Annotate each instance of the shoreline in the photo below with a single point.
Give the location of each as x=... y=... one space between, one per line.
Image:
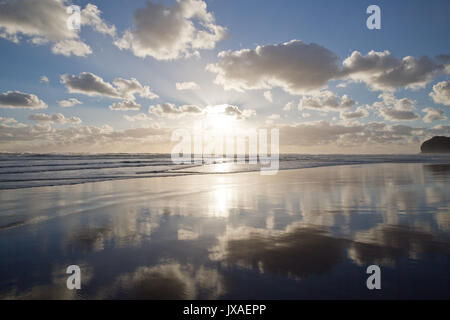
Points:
x=183 y=173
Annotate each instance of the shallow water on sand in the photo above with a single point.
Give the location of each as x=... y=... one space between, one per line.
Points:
x=308 y=233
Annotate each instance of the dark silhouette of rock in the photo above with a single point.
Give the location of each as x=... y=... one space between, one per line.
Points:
x=436 y=144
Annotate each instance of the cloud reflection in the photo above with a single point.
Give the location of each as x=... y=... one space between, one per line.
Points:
x=168 y=281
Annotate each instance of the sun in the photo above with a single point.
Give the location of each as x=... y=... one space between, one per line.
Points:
x=218 y=122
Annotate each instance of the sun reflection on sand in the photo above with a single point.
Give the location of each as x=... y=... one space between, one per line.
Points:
x=220 y=202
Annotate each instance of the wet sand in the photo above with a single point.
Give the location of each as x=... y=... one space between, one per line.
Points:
x=300 y=234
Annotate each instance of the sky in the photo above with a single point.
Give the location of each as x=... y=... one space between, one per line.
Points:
x=136 y=71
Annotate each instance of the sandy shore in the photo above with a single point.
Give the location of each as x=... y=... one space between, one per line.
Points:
x=307 y=233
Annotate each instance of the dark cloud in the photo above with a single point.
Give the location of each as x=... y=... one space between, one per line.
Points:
x=17 y=99
x=92 y=85
x=295 y=66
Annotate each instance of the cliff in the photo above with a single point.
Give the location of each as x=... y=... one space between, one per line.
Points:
x=436 y=145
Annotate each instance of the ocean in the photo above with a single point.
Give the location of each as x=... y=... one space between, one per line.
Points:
x=35 y=170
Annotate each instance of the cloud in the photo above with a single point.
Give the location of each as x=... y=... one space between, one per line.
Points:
x=288 y=106
x=382 y=71
x=233 y=111
x=69 y=102
x=125 y=105
x=56 y=117
x=325 y=101
x=92 y=85
x=17 y=99
x=321 y=132
x=439 y=130
x=45 y=21
x=298 y=68
x=295 y=66
x=441 y=93
x=69 y=47
x=433 y=115
x=6 y=121
x=360 y=112
x=398 y=115
x=268 y=96
x=272 y=118
x=90 y=16
x=170 y=110
x=89 y=84
x=187 y=86
x=393 y=109
x=44 y=79
x=373 y=137
x=167 y=33
x=305 y=115
x=137 y=117
x=43 y=138
x=128 y=88
x=312 y=137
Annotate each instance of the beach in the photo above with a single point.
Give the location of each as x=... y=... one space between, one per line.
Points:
x=299 y=234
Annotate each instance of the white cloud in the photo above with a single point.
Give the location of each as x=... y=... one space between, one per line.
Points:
x=90 y=16
x=92 y=85
x=268 y=96
x=441 y=93
x=288 y=106
x=310 y=137
x=298 y=68
x=345 y=137
x=295 y=66
x=325 y=101
x=17 y=99
x=44 y=79
x=305 y=115
x=69 y=102
x=137 y=117
x=433 y=115
x=45 y=21
x=272 y=118
x=383 y=71
x=7 y=120
x=127 y=89
x=167 y=33
x=360 y=112
x=393 y=109
x=71 y=47
x=125 y=105
x=56 y=117
x=187 y=86
x=398 y=115
x=43 y=138
x=170 y=110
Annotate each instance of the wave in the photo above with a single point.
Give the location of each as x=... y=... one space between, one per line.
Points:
x=35 y=170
